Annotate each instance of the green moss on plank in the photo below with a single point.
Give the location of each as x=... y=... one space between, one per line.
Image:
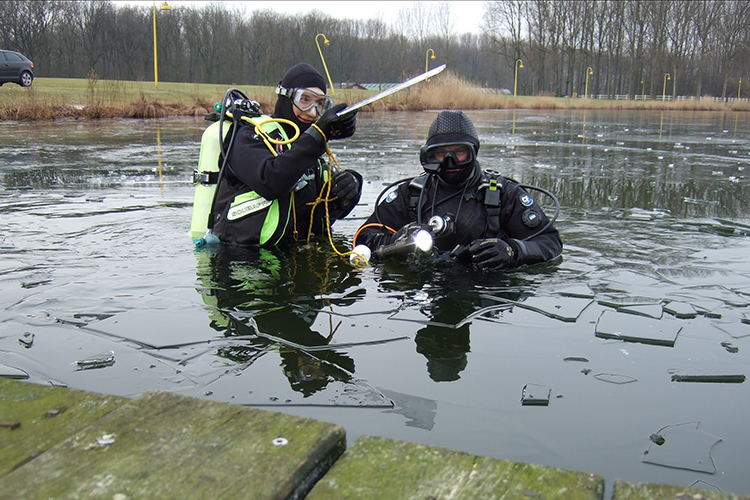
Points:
x=382 y=468
x=629 y=491
x=168 y=446
x=47 y=416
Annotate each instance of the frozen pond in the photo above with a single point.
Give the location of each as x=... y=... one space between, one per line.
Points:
x=627 y=358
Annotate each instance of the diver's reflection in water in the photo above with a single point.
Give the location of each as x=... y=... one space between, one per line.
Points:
x=272 y=298
x=444 y=347
x=454 y=293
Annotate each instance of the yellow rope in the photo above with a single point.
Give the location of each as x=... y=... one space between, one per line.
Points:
x=269 y=141
x=325 y=200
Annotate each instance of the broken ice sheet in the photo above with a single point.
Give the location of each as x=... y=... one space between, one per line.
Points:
x=736 y=330
x=535 y=395
x=420 y=412
x=581 y=291
x=681 y=310
x=684 y=446
x=12 y=372
x=655 y=311
x=614 y=378
x=99 y=361
x=632 y=328
x=561 y=308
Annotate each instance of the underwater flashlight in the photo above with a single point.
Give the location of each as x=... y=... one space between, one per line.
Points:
x=421 y=240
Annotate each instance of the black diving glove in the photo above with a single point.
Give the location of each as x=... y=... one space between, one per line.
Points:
x=492 y=253
x=345 y=188
x=337 y=127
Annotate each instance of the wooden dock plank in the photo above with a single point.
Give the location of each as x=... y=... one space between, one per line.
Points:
x=375 y=468
x=46 y=416
x=647 y=491
x=167 y=446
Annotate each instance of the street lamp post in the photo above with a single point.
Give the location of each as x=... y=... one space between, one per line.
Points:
x=515 y=84
x=589 y=71
x=165 y=6
x=427 y=60
x=664 y=90
x=643 y=88
x=325 y=42
x=738 y=89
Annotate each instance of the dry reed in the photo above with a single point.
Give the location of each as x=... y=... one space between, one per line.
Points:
x=110 y=99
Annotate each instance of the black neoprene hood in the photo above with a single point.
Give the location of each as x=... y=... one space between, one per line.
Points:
x=452 y=127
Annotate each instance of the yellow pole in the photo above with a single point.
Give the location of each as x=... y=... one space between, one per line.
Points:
x=156 y=70
x=427 y=60
x=738 y=89
x=325 y=42
x=664 y=90
x=156 y=66
x=515 y=84
x=589 y=71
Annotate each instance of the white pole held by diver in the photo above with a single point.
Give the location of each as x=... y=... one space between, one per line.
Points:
x=392 y=90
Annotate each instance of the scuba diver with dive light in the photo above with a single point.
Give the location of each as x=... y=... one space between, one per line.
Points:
x=270 y=184
x=457 y=210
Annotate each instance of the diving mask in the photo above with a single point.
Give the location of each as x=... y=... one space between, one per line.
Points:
x=306 y=99
x=431 y=157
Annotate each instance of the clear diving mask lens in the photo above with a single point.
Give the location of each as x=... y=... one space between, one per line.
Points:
x=431 y=157
x=306 y=99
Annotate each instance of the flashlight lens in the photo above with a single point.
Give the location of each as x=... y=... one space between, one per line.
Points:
x=423 y=240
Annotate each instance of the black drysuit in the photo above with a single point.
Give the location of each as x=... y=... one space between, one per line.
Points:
x=514 y=217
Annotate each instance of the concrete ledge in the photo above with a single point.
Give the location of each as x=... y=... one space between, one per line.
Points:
x=375 y=468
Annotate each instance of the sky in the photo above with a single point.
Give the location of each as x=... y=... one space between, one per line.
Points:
x=467 y=14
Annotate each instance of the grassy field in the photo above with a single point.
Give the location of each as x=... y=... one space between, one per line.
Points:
x=52 y=98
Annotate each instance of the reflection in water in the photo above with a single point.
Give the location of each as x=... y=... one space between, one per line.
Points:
x=96 y=259
x=279 y=297
x=584 y=138
x=450 y=296
x=271 y=299
x=158 y=157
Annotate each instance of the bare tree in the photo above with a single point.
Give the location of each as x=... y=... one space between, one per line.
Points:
x=732 y=37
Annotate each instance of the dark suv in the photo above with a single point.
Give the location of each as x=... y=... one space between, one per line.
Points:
x=15 y=68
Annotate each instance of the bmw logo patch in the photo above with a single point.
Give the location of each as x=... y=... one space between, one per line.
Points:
x=530 y=218
x=526 y=200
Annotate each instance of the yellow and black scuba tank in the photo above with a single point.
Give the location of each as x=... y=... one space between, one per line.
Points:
x=212 y=159
x=206 y=176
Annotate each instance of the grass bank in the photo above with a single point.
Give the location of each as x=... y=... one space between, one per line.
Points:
x=52 y=98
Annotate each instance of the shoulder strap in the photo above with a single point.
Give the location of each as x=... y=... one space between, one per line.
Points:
x=493 y=186
x=416 y=185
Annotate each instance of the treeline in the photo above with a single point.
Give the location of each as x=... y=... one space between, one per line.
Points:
x=693 y=47
x=625 y=47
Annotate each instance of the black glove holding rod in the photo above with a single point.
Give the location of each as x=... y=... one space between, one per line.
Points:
x=345 y=188
x=333 y=126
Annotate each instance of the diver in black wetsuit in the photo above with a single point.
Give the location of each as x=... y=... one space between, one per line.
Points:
x=482 y=218
x=266 y=198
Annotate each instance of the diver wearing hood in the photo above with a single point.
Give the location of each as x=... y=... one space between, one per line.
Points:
x=481 y=217
x=267 y=199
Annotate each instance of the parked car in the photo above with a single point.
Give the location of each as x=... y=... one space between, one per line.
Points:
x=15 y=68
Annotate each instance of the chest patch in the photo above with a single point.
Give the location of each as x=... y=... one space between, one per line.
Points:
x=391 y=195
x=531 y=218
x=526 y=200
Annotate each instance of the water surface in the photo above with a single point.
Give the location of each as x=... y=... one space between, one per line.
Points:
x=636 y=336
